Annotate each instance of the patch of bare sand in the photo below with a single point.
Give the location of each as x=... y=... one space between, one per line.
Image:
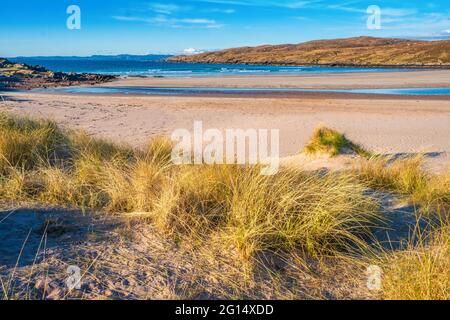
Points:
x=320 y=162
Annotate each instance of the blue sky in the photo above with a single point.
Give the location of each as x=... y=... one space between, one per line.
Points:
x=31 y=27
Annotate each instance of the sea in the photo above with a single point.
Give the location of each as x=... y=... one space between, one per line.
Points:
x=151 y=67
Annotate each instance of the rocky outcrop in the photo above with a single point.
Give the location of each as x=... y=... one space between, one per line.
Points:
x=25 y=77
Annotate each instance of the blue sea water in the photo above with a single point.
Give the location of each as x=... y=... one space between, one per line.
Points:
x=152 y=68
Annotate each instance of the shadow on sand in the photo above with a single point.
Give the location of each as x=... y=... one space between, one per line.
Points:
x=398 y=156
x=25 y=234
x=6 y=98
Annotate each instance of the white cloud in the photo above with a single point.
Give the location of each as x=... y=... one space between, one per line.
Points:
x=198 y=21
x=385 y=11
x=126 y=18
x=217 y=10
x=395 y=12
x=164 y=8
x=191 y=51
x=265 y=3
x=162 y=20
x=298 y=4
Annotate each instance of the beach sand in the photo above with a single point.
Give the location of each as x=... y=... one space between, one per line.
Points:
x=384 y=124
x=401 y=79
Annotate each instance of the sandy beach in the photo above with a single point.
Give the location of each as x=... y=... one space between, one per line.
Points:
x=395 y=79
x=385 y=124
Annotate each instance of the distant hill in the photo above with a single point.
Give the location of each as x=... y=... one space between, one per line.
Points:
x=359 y=51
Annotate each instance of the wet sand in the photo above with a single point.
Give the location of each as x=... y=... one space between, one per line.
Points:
x=397 y=79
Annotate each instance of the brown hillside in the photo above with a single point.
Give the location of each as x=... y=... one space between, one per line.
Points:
x=364 y=51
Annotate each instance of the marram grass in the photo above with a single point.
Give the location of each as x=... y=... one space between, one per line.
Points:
x=250 y=212
x=422 y=271
x=331 y=142
x=406 y=177
x=234 y=207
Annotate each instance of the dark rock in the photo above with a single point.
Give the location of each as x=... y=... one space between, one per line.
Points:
x=25 y=77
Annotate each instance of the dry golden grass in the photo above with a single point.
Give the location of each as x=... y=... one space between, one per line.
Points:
x=25 y=143
x=294 y=214
x=255 y=213
x=422 y=272
x=404 y=175
x=407 y=177
x=251 y=212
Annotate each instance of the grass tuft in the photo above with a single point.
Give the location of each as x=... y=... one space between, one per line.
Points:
x=422 y=272
x=328 y=141
x=255 y=213
x=407 y=177
x=25 y=143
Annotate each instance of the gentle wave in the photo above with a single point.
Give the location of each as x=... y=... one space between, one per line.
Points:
x=169 y=69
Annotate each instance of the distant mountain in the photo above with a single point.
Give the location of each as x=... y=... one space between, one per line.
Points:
x=359 y=51
x=120 y=57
